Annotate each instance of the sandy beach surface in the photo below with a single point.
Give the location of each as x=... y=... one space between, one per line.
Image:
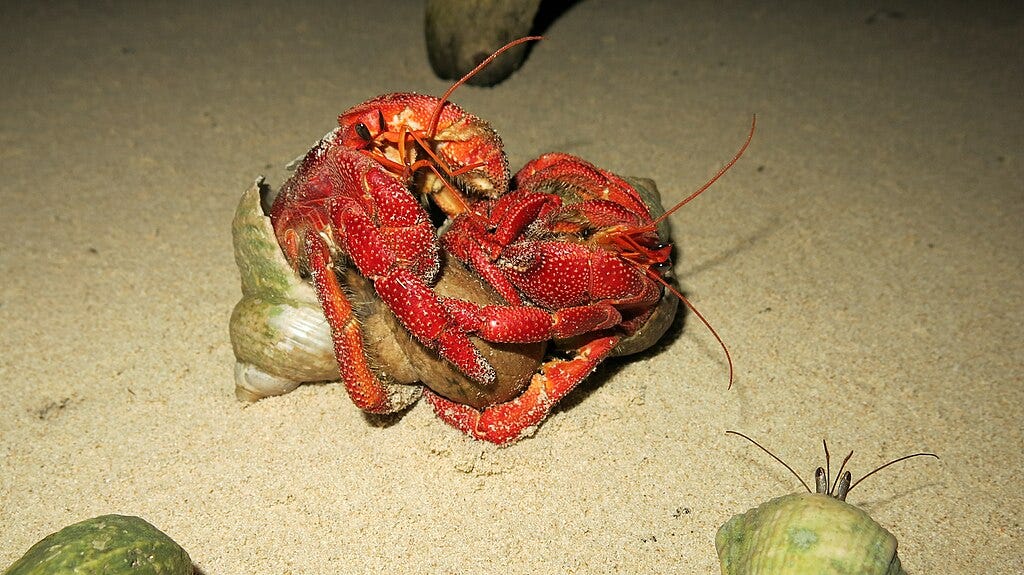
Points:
x=863 y=261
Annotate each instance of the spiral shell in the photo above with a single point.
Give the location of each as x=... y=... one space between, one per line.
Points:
x=278 y=331
x=805 y=533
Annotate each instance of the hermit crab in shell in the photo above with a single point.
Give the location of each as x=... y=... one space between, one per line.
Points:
x=281 y=338
x=809 y=532
x=350 y=223
x=577 y=252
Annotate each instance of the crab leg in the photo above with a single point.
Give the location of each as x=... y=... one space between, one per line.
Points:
x=413 y=302
x=384 y=231
x=507 y=422
x=366 y=390
x=525 y=324
x=557 y=172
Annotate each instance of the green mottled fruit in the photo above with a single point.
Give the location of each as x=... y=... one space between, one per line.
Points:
x=105 y=545
x=806 y=534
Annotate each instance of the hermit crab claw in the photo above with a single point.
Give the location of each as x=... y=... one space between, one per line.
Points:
x=278 y=330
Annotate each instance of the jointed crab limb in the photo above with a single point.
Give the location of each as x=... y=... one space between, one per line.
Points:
x=413 y=302
x=346 y=205
x=366 y=390
x=580 y=287
x=506 y=422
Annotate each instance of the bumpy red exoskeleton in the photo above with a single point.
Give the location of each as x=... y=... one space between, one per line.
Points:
x=575 y=250
x=351 y=199
x=572 y=249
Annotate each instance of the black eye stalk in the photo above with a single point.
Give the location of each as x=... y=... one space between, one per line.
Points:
x=661 y=267
x=363 y=131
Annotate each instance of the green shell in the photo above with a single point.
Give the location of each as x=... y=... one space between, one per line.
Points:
x=105 y=545
x=806 y=534
x=278 y=331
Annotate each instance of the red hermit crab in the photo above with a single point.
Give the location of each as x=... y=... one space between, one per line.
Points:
x=570 y=255
x=576 y=251
x=350 y=200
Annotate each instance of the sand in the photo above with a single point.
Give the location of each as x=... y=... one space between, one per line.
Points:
x=863 y=261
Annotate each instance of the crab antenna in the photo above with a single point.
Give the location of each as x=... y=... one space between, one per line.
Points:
x=436 y=116
x=856 y=483
x=707 y=324
x=840 y=473
x=786 y=465
x=828 y=463
x=723 y=170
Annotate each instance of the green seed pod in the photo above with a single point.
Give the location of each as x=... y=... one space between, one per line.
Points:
x=809 y=533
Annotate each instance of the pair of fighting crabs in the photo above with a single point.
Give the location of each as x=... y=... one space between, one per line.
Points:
x=527 y=285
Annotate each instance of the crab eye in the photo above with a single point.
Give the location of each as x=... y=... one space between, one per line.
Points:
x=380 y=120
x=363 y=131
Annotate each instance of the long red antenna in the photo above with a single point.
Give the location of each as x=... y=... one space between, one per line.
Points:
x=700 y=316
x=432 y=126
x=723 y=170
x=654 y=224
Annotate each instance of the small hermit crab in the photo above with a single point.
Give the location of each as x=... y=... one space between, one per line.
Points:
x=809 y=533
